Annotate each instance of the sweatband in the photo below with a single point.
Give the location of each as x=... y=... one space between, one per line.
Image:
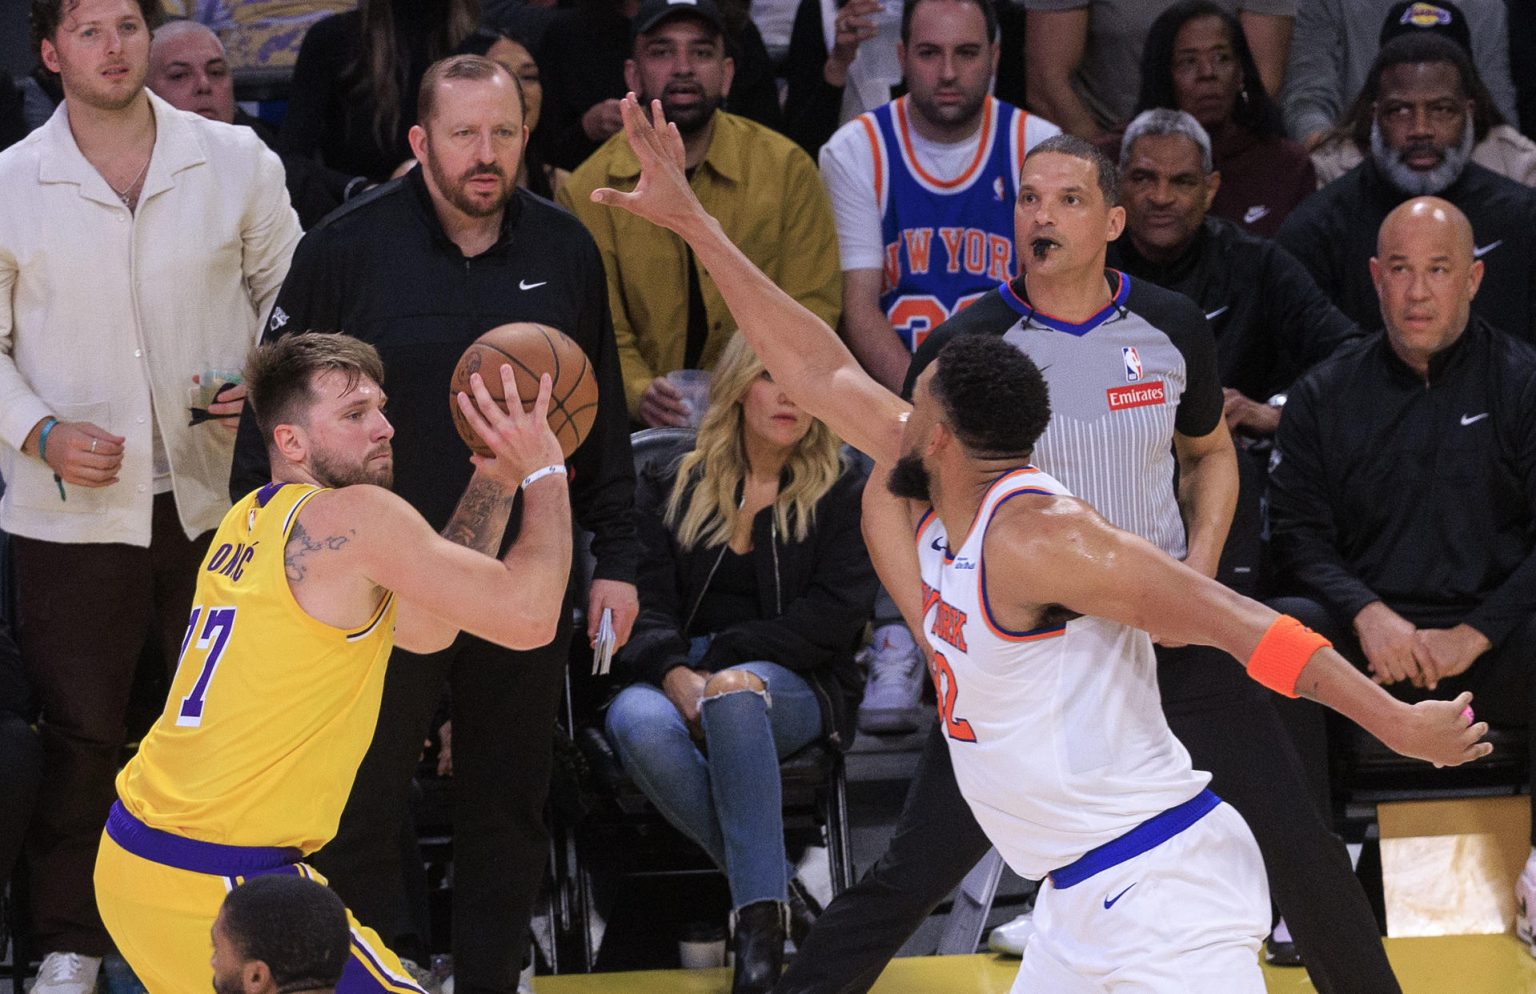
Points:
x=539 y=474
x=1282 y=653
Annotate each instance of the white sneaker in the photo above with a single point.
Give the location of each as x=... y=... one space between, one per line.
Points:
x=895 y=686
x=67 y=973
x=1525 y=907
x=1010 y=938
x=525 y=979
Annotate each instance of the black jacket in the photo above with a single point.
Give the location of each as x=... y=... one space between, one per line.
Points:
x=1270 y=320
x=1333 y=234
x=382 y=269
x=825 y=585
x=1420 y=496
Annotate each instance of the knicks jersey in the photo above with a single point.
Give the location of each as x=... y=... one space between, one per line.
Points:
x=271 y=710
x=945 y=241
x=1056 y=735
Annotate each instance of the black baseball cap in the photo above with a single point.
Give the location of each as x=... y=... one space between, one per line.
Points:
x=653 y=12
x=1442 y=18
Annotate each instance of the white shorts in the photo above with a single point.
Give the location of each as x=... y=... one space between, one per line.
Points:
x=1185 y=917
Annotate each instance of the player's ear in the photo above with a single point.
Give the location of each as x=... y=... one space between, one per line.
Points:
x=255 y=978
x=291 y=442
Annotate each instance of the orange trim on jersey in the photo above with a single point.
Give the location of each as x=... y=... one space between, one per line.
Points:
x=875 y=153
x=1033 y=635
x=983 y=147
x=1021 y=471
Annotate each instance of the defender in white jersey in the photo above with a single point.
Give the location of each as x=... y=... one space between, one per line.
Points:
x=1108 y=796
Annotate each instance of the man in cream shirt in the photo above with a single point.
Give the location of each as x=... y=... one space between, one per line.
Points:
x=140 y=247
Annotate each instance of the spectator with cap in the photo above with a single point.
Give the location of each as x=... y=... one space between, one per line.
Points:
x=1335 y=40
x=583 y=53
x=667 y=314
x=1197 y=60
x=1077 y=52
x=189 y=70
x=1422 y=133
x=280 y=934
x=1496 y=144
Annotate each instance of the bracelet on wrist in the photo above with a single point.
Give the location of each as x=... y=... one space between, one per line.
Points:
x=42 y=437
x=539 y=474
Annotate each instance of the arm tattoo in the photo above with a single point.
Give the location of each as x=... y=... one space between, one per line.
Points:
x=480 y=520
x=301 y=549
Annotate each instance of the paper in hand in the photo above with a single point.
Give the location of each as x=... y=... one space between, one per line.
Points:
x=602 y=650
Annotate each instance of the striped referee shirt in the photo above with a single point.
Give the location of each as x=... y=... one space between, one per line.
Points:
x=1121 y=383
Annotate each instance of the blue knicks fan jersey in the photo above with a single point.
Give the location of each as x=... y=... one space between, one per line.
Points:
x=946 y=242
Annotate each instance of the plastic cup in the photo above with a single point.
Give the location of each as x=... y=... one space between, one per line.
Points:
x=693 y=384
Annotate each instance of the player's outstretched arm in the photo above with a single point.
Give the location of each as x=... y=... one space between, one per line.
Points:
x=453 y=581
x=1058 y=550
x=804 y=355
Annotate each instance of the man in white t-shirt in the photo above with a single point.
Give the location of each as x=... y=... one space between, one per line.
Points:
x=922 y=190
x=923 y=187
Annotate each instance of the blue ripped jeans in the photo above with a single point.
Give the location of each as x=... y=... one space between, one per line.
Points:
x=726 y=796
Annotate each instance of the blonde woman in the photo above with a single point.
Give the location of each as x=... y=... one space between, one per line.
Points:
x=754 y=588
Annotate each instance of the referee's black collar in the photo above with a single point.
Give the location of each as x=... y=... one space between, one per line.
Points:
x=415 y=181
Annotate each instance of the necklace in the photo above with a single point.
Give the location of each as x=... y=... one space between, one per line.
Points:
x=124 y=193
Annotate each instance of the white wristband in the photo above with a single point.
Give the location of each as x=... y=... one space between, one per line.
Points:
x=539 y=474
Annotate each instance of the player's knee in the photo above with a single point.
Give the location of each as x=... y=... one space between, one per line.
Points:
x=733 y=682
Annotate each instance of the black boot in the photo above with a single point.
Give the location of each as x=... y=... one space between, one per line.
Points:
x=803 y=911
x=759 y=947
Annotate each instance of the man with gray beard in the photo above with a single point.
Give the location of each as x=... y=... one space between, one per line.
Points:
x=1421 y=145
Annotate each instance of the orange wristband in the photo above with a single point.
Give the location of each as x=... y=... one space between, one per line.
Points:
x=1282 y=653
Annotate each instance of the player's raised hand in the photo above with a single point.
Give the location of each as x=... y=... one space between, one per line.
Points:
x=662 y=195
x=1445 y=733
x=521 y=440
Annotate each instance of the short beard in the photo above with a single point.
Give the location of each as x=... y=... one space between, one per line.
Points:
x=910 y=479
x=690 y=120
x=335 y=475
x=1421 y=183
x=454 y=191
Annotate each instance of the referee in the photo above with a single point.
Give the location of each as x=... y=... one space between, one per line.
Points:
x=420 y=268
x=1135 y=396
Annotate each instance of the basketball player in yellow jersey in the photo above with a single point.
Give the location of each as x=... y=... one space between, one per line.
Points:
x=309 y=583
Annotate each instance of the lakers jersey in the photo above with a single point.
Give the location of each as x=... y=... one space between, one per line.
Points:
x=271 y=710
x=946 y=241
x=1056 y=735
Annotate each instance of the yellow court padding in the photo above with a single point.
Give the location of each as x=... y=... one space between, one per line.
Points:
x=1458 y=964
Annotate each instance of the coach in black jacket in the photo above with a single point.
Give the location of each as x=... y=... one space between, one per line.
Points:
x=408 y=269
x=1403 y=489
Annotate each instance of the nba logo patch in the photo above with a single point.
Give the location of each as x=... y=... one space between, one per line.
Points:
x=998 y=188
x=1132 y=363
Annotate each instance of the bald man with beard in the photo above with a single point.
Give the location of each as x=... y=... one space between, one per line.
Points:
x=189 y=70
x=1403 y=488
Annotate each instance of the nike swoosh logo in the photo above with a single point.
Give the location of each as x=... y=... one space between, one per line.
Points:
x=1218 y=312
x=1483 y=250
x=1472 y=419
x=1254 y=213
x=1109 y=902
x=525 y=285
